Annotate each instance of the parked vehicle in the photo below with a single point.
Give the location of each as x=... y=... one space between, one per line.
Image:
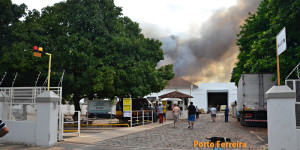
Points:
x=251 y=102
x=100 y=109
x=137 y=104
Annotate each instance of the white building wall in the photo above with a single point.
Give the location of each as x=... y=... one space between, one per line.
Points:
x=200 y=94
x=204 y=88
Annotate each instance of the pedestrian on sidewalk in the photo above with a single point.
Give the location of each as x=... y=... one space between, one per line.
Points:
x=213 y=111
x=226 y=114
x=191 y=115
x=176 y=112
x=197 y=112
x=160 y=113
x=164 y=112
x=154 y=113
x=3 y=129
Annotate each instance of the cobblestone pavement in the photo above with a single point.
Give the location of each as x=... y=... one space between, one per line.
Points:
x=168 y=137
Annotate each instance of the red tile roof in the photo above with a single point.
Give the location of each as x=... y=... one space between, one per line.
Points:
x=175 y=94
x=178 y=82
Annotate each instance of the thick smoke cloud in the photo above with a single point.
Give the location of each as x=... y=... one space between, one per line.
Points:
x=211 y=55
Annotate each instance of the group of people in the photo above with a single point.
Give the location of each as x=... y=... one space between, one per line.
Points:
x=214 y=111
x=193 y=113
x=159 y=112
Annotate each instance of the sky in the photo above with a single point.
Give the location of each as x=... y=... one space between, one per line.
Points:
x=198 y=36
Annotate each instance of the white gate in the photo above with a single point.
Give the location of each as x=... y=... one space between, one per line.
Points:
x=22 y=105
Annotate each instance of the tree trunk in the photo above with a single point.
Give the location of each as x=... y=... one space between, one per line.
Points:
x=76 y=99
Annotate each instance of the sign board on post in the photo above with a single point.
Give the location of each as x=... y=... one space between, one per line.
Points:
x=280 y=48
x=281 y=41
x=127 y=109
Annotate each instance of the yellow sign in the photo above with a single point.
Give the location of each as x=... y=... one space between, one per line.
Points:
x=164 y=103
x=127 y=101
x=126 y=108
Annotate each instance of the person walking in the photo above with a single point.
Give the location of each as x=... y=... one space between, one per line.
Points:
x=197 y=112
x=176 y=112
x=191 y=115
x=226 y=114
x=154 y=113
x=164 y=112
x=160 y=113
x=3 y=129
x=213 y=111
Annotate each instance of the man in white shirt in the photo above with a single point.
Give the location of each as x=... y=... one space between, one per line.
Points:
x=213 y=111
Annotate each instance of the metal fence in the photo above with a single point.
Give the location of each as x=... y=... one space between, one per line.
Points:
x=22 y=104
x=141 y=117
x=294 y=84
x=69 y=120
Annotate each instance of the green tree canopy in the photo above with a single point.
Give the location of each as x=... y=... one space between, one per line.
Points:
x=104 y=54
x=257 y=44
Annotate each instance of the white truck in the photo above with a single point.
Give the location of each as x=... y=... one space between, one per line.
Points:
x=251 y=102
x=100 y=109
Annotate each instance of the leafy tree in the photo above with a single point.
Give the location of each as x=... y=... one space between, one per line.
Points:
x=257 y=42
x=103 y=53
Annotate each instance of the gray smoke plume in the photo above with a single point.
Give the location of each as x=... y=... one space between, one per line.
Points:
x=211 y=56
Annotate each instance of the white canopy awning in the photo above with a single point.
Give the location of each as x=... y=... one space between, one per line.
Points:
x=171 y=99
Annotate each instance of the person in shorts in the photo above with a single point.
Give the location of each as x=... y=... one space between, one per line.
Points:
x=176 y=112
x=191 y=115
x=3 y=129
x=213 y=111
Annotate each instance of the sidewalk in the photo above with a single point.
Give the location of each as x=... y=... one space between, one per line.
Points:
x=90 y=139
x=86 y=138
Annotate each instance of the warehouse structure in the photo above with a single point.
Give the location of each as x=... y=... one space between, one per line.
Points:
x=204 y=95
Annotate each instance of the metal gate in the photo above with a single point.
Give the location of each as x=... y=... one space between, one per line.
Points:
x=22 y=105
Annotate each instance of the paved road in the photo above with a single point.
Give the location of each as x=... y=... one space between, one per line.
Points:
x=168 y=137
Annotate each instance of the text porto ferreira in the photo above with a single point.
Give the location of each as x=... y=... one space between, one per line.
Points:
x=219 y=144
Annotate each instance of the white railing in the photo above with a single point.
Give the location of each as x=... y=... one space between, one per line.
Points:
x=140 y=117
x=70 y=122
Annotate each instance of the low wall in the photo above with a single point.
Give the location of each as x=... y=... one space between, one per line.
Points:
x=69 y=109
x=21 y=131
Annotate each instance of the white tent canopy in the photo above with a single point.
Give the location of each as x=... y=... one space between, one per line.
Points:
x=171 y=99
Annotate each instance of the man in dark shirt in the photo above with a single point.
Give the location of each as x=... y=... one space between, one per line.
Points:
x=226 y=114
x=3 y=129
x=192 y=113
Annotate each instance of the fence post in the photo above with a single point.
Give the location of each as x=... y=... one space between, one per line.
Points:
x=281 y=118
x=131 y=119
x=47 y=118
x=143 y=117
x=62 y=125
x=78 y=122
x=152 y=116
x=137 y=117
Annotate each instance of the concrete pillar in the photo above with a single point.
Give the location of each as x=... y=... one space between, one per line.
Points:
x=47 y=118
x=281 y=118
x=1 y=104
x=4 y=101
